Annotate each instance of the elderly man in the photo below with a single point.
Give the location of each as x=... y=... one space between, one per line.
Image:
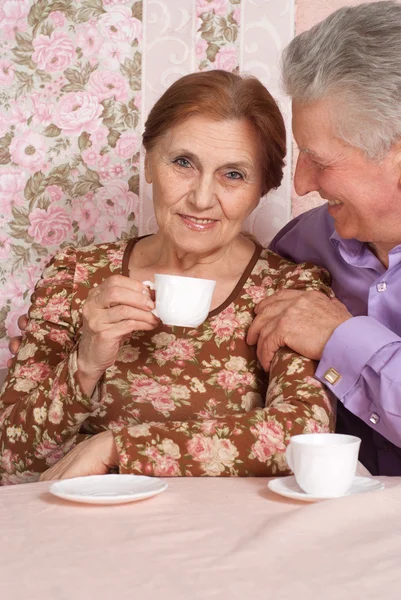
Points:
x=344 y=78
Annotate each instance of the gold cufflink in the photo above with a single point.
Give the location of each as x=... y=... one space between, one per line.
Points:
x=332 y=376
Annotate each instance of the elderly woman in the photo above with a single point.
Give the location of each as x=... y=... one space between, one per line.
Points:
x=162 y=400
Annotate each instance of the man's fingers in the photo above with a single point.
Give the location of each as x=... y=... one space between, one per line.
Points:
x=268 y=344
x=254 y=330
x=14 y=344
x=271 y=312
x=266 y=350
x=279 y=296
x=23 y=322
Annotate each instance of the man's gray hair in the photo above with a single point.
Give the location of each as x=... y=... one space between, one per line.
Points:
x=353 y=57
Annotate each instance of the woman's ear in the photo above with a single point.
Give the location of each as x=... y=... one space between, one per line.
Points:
x=148 y=171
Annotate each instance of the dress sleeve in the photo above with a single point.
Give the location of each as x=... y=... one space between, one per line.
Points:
x=42 y=405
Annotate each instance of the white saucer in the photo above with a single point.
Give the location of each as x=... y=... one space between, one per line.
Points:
x=288 y=487
x=108 y=489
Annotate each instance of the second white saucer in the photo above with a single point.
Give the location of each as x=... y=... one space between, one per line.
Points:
x=288 y=487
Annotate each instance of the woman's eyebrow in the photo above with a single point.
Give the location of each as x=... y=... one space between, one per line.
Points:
x=240 y=164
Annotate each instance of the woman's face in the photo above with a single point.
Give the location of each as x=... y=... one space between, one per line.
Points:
x=206 y=178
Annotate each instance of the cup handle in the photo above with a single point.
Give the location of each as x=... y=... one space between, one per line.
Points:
x=288 y=456
x=151 y=286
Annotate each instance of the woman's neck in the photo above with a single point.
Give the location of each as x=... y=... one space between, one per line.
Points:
x=157 y=252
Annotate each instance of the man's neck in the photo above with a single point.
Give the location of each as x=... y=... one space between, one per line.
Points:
x=381 y=251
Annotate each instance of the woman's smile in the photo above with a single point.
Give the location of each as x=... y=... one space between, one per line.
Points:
x=197 y=224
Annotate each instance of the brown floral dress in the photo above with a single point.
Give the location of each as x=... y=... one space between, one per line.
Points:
x=179 y=401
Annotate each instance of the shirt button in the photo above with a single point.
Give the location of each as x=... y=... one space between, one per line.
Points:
x=332 y=376
x=374 y=418
x=381 y=287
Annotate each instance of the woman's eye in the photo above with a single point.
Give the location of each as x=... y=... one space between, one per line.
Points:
x=182 y=162
x=234 y=175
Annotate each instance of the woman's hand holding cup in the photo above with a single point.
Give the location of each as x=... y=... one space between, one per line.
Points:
x=112 y=310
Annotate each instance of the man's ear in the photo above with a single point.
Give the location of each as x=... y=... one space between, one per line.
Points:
x=148 y=171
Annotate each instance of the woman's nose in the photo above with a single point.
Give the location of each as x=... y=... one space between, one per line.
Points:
x=305 y=177
x=204 y=195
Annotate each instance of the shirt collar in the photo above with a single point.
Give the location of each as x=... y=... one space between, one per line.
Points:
x=351 y=247
x=359 y=254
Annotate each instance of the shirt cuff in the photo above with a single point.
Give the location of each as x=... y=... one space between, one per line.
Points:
x=351 y=346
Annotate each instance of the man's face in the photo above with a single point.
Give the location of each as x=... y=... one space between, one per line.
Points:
x=364 y=196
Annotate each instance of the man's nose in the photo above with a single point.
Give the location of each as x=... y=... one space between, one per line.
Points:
x=305 y=177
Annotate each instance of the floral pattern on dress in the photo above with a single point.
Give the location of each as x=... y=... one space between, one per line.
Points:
x=188 y=402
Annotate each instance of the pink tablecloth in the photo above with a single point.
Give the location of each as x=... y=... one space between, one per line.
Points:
x=201 y=539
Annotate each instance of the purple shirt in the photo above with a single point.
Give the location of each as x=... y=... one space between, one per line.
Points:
x=365 y=350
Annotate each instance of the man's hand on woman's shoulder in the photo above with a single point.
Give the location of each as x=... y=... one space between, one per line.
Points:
x=302 y=320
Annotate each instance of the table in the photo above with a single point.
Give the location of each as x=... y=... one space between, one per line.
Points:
x=201 y=539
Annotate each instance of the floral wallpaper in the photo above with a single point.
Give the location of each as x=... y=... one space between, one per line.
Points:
x=77 y=78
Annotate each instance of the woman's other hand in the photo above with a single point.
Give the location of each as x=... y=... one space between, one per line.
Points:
x=112 y=311
x=94 y=456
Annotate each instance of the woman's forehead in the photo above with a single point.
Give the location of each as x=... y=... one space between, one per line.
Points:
x=199 y=133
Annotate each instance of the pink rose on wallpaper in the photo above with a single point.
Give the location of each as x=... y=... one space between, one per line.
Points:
x=19 y=116
x=99 y=137
x=119 y=24
x=5 y=246
x=116 y=199
x=226 y=58
x=106 y=84
x=12 y=186
x=55 y=192
x=13 y=18
x=110 y=227
x=89 y=40
x=29 y=151
x=220 y=7
x=13 y=290
x=5 y=354
x=58 y=18
x=114 y=52
x=49 y=227
x=93 y=158
x=127 y=144
x=77 y=112
x=86 y=214
x=200 y=49
x=54 y=53
x=42 y=111
x=7 y=70
x=4 y=125
x=11 y=321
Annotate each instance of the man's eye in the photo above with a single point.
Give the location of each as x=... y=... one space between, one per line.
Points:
x=234 y=175
x=182 y=162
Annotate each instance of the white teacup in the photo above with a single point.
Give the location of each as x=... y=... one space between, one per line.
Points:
x=182 y=301
x=324 y=464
